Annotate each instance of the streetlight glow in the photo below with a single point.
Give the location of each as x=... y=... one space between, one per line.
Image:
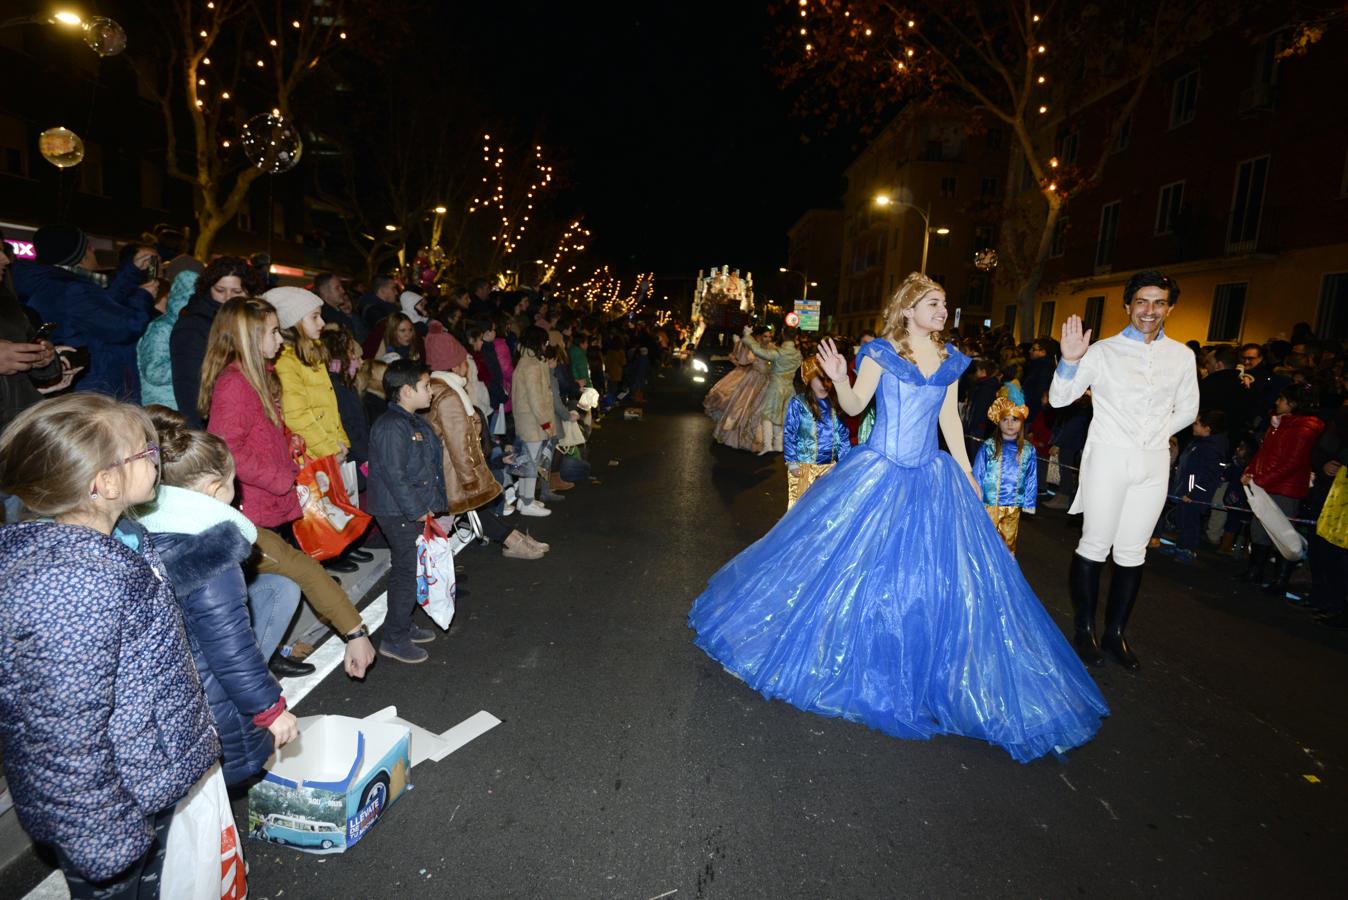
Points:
x=390 y=227
x=942 y=230
x=440 y=210
x=66 y=17
x=882 y=200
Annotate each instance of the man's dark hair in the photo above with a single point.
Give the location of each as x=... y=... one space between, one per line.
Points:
x=1226 y=355
x=476 y=285
x=1258 y=348
x=534 y=339
x=1214 y=419
x=379 y=282
x=402 y=373
x=1151 y=278
x=321 y=281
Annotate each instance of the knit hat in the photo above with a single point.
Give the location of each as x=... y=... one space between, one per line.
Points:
x=292 y=304
x=60 y=245
x=1003 y=407
x=443 y=350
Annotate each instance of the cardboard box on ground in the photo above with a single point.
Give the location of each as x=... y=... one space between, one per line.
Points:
x=325 y=790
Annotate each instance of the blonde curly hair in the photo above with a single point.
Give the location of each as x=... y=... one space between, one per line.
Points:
x=913 y=288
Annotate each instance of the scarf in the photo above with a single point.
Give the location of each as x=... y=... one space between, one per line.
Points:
x=456 y=384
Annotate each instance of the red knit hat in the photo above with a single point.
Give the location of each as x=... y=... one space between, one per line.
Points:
x=443 y=350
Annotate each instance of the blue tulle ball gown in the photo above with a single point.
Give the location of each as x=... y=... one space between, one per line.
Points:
x=886 y=596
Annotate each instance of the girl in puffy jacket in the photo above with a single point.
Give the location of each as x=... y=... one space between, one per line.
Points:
x=308 y=402
x=102 y=717
x=240 y=401
x=205 y=544
x=1282 y=467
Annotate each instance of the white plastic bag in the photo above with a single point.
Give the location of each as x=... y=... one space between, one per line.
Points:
x=572 y=435
x=350 y=480
x=1285 y=537
x=203 y=859
x=435 y=574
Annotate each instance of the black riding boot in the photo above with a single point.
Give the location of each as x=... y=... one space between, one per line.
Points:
x=1254 y=570
x=1123 y=587
x=1083 y=582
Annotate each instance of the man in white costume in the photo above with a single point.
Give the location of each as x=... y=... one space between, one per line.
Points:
x=1144 y=388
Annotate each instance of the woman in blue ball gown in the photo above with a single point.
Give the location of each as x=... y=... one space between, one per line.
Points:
x=885 y=595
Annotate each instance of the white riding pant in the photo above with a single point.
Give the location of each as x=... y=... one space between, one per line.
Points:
x=1121 y=494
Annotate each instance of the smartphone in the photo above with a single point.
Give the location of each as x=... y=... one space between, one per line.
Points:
x=45 y=331
x=152 y=270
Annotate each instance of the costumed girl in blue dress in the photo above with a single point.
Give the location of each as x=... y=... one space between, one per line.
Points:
x=885 y=595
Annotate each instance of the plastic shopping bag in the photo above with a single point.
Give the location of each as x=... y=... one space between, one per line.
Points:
x=328 y=521
x=203 y=859
x=1285 y=537
x=435 y=574
x=572 y=435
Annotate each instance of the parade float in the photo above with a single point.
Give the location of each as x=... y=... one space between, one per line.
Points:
x=722 y=300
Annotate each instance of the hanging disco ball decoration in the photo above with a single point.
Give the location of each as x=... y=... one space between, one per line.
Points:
x=104 y=36
x=271 y=143
x=61 y=147
x=986 y=259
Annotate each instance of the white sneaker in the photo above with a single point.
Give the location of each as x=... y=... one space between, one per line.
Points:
x=507 y=510
x=534 y=509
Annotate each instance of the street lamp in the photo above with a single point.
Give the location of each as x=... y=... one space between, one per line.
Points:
x=884 y=200
x=805 y=280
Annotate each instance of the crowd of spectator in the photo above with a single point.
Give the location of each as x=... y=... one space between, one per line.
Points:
x=153 y=422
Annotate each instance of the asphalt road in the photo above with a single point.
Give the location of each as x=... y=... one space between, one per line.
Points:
x=629 y=765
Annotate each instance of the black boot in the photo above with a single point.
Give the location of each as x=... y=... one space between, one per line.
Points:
x=1282 y=574
x=1083 y=582
x=1123 y=587
x=1254 y=571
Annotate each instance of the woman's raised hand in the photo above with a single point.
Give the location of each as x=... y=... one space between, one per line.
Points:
x=1074 y=341
x=832 y=362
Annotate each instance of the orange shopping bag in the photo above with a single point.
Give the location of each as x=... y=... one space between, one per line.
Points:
x=328 y=521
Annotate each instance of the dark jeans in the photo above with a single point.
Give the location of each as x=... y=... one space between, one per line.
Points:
x=140 y=882
x=1188 y=524
x=494 y=527
x=1329 y=574
x=401 y=535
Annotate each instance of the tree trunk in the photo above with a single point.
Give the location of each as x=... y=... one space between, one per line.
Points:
x=207 y=230
x=1035 y=275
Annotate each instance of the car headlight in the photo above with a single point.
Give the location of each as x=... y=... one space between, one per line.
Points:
x=699 y=366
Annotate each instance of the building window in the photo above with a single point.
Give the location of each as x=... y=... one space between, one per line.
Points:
x=948 y=184
x=1059 y=245
x=1094 y=319
x=1125 y=132
x=995 y=139
x=1009 y=316
x=1109 y=230
x=89 y=174
x=1247 y=205
x=1046 y=311
x=1228 y=311
x=988 y=187
x=1331 y=319
x=1184 y=99
x=1168 y=207
x=13 y=146
x=977 y=297
x=940 y=240
x=1071 y=144
x=278 y=219
x=244 y=220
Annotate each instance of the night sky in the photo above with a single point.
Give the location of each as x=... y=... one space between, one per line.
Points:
x=682 y=149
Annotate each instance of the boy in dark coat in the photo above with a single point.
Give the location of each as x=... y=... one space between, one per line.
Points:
x=1197 y=475
x=406 y=486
